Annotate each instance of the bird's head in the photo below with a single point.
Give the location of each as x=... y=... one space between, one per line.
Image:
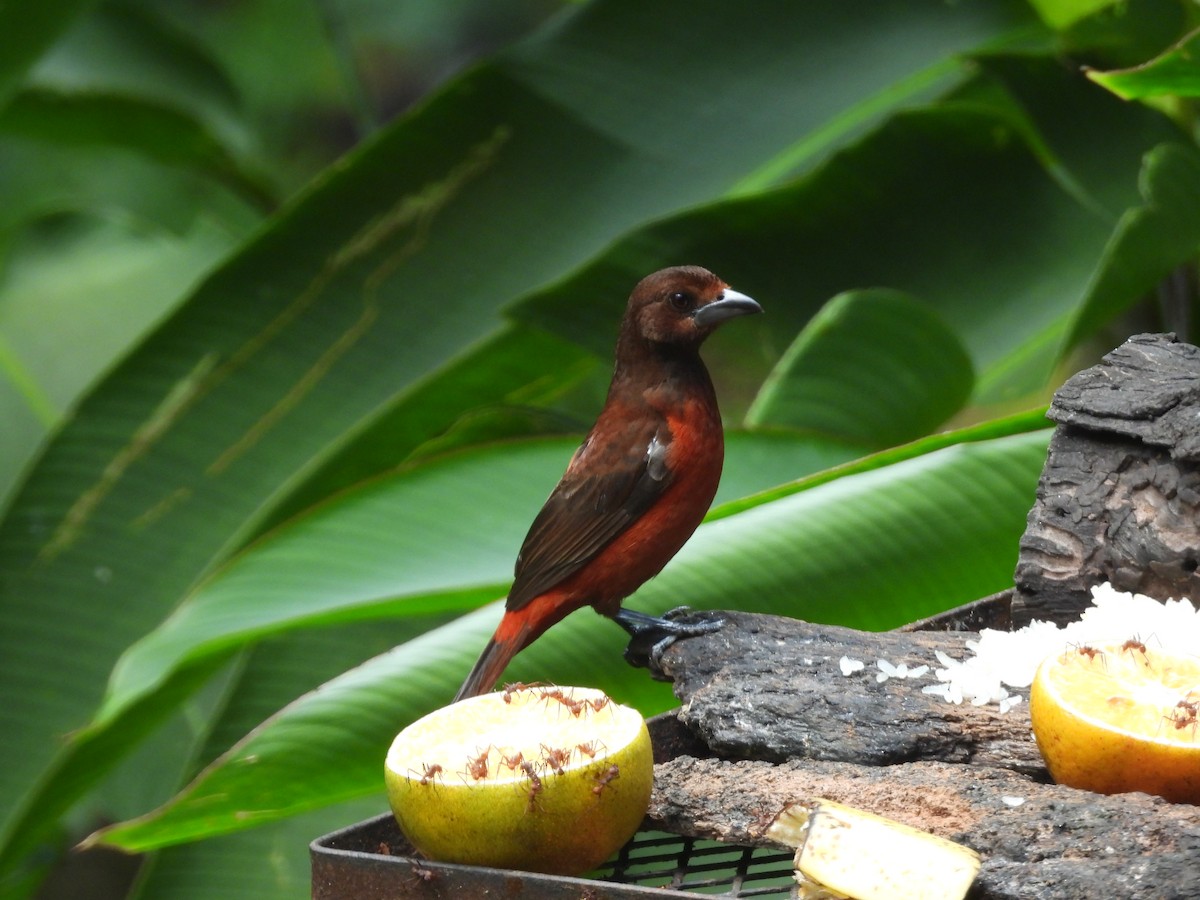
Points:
x=683 y=305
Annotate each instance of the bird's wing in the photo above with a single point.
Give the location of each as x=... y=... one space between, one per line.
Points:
x=606 y=488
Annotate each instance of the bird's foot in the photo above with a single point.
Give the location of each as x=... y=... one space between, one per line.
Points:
x=650 y=636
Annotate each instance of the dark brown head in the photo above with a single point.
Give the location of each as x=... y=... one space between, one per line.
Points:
x=682 y=306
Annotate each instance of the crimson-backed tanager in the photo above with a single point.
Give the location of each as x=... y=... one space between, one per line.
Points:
x=642 y=480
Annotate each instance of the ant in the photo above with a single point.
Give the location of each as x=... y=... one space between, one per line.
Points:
x=1187 y=713
x=602 y=780
x=590 y=749
x=423 y=874
x=556 y=758
x=1133 y=645
x=515 y=687
x=535 y=784
x=575 y=706
x=1090 y=652
x=477 y=767
x=431 y=772
x=513 y=761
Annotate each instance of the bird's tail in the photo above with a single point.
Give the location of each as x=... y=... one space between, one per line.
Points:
x=510 y=638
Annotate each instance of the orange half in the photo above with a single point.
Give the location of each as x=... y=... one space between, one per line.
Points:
x=1120 y=717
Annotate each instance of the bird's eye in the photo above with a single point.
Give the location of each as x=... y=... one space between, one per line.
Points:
x=681 y=300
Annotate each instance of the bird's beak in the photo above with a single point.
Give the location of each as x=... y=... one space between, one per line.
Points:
x=731 y=303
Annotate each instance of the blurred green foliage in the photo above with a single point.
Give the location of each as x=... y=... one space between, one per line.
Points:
x=303 y=307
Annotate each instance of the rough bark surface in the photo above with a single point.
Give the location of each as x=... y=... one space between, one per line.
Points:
x=1036 y=840
x=1119 y=498
x=770 y=688
x=768 y=720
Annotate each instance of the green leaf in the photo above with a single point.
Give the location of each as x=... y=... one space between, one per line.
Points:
x=516 y=368
x=1060 y=14
x=1090 y=142
x=1125 y=34
x=161 y=133
x=54 y=342
x=871 y=549
x=269 y=862
x=875 y=367
x=851 y=72
x=1150 y=241
x=1000 y=234
x=26 y=30
x=1175 y=71
x=132 y=51
x=394 y=548
x=41 y=180
x=1009 y=251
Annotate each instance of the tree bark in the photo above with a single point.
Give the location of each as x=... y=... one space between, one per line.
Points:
x=1119 y=498
x=768 y=720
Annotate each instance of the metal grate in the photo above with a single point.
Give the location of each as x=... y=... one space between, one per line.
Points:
x=659 y=859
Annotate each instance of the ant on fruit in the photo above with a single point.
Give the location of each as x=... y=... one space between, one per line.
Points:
x=430 y=773
x=590 y=749
x=1090 y=652
x=1133 y=645
x=477 y=767
x=513 y=761
x=511 y=688
x=556 y=758
x=515 y=687
x=603 y=779
x=575 y=706
x=1186 y=713
x=535 y=784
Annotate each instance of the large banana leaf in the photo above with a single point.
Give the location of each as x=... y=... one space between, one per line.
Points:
x=993 y=209
x=52 y=345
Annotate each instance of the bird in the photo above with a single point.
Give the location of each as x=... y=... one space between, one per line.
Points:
x=641 y=481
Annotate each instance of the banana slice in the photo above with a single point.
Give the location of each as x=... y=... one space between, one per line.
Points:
x=843 y=852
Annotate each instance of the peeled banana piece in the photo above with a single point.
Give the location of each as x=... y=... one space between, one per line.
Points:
x=843 y=852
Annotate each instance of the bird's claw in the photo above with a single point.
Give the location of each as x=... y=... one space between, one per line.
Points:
x=682 y=612
x=650 y=636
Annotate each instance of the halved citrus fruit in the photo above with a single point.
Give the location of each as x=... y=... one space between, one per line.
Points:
x=1120 y=717
x=543 y=779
